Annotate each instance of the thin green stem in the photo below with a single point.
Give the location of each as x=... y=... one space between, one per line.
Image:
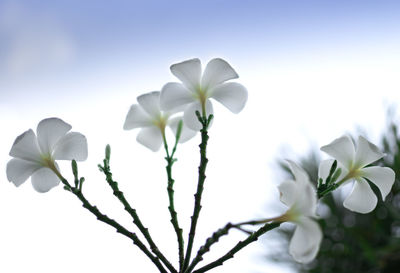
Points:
x=132 y=212
x=250 y=239
x=200 y=185
x=222 y=232
x=104 y=218
x=209 y=242
x=170 y=188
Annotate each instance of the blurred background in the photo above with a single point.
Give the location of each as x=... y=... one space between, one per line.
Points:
x=314 y=71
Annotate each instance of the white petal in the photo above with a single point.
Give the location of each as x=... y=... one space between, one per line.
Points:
x=189 y=72
x=19 y=170
x=361 y=199
x=186 y=133
x=136 y=118
x=71 y=146
x=366 y=153
x=151 y=138
x=217 y=71
x=44 y=180
x=174 y=95
x=306 y=200
x=150 y=102
x=288 y=192
x=190 y=118
x=299 y=174
x=342 y=149
x=232 y=95
x=324 y=168
x=306 y=241
x=25 y=147
x=382 y=177
x=49 y=131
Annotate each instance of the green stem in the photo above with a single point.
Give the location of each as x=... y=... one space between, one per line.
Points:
x=209 y=242
x=104 y=218
x=136 y=220
x=200 y=185
x=170 y=188
x=251 y=238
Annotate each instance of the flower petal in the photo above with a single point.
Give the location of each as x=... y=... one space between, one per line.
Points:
x=361 y=199
x=306 y=240
x=44 y=180
x=189 y=72
x=217 y=71
x=299 y=174
x=150 y=102
x=190 y=118
x=19 y=170
x=288 y=192
x=174 y=95
x=232 y=95
x=150 y=137
x=306 y=200
x=25 y=147
x=382 y=177
x=324 y=168
x=342 y=149
x=49 y=131
x=366 y=153
x=71 y=146
x=136 y=118
x=186 y=133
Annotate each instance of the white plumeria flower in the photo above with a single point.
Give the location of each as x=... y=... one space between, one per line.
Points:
x=148 y=116
x=353 y=161
x=197 y=88
x=35 y=155
x=300 y=196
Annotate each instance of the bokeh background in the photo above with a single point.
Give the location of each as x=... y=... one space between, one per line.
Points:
x=314 y=70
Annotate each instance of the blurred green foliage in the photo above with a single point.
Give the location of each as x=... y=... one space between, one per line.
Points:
x=354 y=242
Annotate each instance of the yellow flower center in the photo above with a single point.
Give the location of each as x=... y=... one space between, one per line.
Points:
x=202 y=96
x=161 y=122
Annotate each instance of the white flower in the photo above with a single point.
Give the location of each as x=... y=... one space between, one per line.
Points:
x=353 y=162
x=197 y=87
x=35 y=155
x=300 y=196
x=148 y=116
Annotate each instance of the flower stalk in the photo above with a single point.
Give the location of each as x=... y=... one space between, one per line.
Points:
x=240 y=245
x=170 y=188
x=77 y=191
x=132 y=212
x=205 y=122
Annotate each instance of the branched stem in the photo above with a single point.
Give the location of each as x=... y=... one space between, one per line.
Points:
x=209 y=242
x=251 y=238
x=200 y=185
x=104 y=218
x=136 y=220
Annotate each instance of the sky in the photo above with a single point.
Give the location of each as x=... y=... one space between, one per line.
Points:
x=314 y=70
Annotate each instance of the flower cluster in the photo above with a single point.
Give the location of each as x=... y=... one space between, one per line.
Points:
x=186 y=108
x=154 y=110
x=353 y=164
